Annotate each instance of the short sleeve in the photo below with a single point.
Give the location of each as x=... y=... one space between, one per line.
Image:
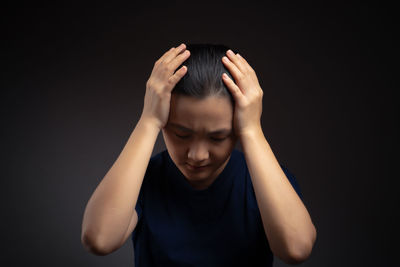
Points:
x=293 y=181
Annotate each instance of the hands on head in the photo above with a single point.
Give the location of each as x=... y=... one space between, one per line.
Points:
x=245 y=89
x=162 y=81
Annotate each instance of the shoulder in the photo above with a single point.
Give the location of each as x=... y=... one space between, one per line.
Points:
x=238 y=159
x=153 y=170
x=156 y=162
x=158 y=158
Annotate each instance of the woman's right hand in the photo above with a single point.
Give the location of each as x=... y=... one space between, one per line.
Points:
x=162 y=81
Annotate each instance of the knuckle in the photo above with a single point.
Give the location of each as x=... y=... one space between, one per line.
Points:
x=161 y=63
x=171 y=81
x=157 y=89
x=247 y=71
x=154 y=86
x=165 y=67
x=241 y=77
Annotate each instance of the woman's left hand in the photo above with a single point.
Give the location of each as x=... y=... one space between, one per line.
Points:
x=246 y=91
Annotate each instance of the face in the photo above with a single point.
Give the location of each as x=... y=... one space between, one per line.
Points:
x=200 y=133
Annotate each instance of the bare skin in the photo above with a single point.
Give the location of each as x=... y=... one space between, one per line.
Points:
x=287 y=223
x=110 y=215
x=190 y=140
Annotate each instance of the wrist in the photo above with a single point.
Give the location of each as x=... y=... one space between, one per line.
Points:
x=252 y=139
x=149 y=125
x=250 y=132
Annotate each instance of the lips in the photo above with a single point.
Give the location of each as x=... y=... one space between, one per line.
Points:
x=196 y=166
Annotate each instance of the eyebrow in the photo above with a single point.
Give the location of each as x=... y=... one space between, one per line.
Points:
x=183 y=128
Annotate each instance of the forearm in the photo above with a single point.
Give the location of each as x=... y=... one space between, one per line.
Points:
x=110 y=208
x=286 y=221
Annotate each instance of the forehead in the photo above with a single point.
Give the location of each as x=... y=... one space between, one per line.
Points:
x=211 y=113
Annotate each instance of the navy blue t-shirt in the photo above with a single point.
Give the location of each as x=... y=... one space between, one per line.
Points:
x=182 y=226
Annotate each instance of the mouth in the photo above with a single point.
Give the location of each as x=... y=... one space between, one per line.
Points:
x=191 y=167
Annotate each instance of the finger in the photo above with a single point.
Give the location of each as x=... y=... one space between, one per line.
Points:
x=176 y=62
x=244 y=61
x=165 y=55
x=235 y=90
x=172 y=54
x=236 y=60
x=233 y=69
x=174 y=79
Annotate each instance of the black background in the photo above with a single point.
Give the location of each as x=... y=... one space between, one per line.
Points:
x=73 y=83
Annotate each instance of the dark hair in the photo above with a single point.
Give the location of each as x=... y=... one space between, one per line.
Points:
x=204 y=72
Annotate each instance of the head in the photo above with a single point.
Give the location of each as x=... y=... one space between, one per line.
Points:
x=199 y=131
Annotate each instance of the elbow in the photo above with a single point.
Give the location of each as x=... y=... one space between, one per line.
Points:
x=298 y=256
x=93 y=244
x=299 y=252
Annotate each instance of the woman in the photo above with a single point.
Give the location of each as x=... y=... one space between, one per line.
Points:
x=201 y=202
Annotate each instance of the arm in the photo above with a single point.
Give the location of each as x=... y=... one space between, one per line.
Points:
x=110 y=215
x=287 y=224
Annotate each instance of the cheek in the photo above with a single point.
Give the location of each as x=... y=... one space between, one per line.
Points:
x=172 y=140
x=173 y=144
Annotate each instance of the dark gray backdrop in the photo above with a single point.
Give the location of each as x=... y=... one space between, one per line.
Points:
x=73 y=82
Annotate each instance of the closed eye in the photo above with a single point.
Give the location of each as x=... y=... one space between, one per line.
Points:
x=218 y=139
x=181 y=136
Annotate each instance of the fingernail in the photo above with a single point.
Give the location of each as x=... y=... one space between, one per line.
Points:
x=230 y=52
x=224 y=58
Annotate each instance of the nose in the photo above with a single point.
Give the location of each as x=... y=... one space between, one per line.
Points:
x=198 y=153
